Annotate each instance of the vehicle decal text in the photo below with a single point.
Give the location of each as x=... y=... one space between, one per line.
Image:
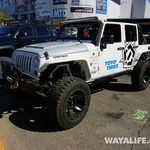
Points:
x=61 y=56
x=112 y=64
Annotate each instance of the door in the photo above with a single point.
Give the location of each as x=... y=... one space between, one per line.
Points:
x=28 y=39
x=111 y=55
x=131 y=45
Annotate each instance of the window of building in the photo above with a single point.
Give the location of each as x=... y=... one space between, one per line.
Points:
x=24 y=17
x=42 y=31
x=32 y=16
x=130 y=31
x=15 y=17
x=114 y=30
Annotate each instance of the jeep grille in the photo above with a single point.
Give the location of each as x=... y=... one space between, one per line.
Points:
x=23 y=62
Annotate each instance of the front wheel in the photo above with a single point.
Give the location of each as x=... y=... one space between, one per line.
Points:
x=141 y=75
x=69 y=102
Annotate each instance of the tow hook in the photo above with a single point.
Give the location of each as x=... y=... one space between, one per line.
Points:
x=14 y=86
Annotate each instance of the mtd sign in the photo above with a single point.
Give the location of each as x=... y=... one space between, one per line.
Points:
x=59 y=15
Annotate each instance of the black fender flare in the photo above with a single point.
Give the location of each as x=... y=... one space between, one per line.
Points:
x=6 y=50
x=145 y=56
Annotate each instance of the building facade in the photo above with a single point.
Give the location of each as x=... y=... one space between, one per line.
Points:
x=19 y=9
x=53 y=11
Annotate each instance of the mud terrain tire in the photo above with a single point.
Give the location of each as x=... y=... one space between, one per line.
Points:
x=69 y=102
x=141 y=75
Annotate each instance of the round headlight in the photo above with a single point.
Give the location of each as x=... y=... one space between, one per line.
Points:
x=14 y=57
x=36 y=61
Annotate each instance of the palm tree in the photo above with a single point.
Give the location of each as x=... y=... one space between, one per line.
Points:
x=4 y=16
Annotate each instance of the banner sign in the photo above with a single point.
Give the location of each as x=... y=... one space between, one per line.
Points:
x=59 y=15
x=21 y=5
x=5 y=3
x=32 y=4
x=42 y=11
x=101 y=7
x=81 y=6
x=81 y=10
x=55 y=2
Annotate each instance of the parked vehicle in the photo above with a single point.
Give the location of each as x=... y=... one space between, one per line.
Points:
x=16 y=34
x=63 y=71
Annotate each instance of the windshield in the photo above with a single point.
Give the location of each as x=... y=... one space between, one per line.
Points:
x=79 y=31
x=7 y=30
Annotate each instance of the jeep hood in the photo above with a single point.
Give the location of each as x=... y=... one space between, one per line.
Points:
x=57 y=48
x=6 y=40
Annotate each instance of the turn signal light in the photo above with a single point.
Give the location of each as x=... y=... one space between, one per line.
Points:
x=35 y=72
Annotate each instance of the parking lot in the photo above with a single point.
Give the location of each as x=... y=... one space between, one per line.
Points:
x=112 y=113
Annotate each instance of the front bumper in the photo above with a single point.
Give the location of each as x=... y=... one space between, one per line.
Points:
x=18 y=78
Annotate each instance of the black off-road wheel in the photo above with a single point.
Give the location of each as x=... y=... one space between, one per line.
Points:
x=141 y=75
x=69 y=102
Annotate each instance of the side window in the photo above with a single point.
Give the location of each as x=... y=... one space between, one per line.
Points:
x=113 y=29
x=130 y=33
x=28 y=30
x=42 y=31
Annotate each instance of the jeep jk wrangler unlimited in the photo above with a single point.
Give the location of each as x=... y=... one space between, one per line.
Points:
x=62 y=70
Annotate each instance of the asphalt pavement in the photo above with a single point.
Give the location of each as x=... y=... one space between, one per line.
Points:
x=116 y=111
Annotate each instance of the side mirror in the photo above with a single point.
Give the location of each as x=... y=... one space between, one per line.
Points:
x=108 y=39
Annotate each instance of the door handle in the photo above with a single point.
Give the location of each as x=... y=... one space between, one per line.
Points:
x=120 y=48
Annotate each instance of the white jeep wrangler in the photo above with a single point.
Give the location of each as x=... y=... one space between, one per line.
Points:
x=62 y=70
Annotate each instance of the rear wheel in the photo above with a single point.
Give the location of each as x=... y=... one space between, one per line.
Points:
x=141 y=75
x=69 y=102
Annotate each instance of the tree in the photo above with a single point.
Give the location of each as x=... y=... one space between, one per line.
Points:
x=4 y=16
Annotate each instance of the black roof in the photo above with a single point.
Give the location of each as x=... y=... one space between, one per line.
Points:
x=136 y=20
x=23 y=22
